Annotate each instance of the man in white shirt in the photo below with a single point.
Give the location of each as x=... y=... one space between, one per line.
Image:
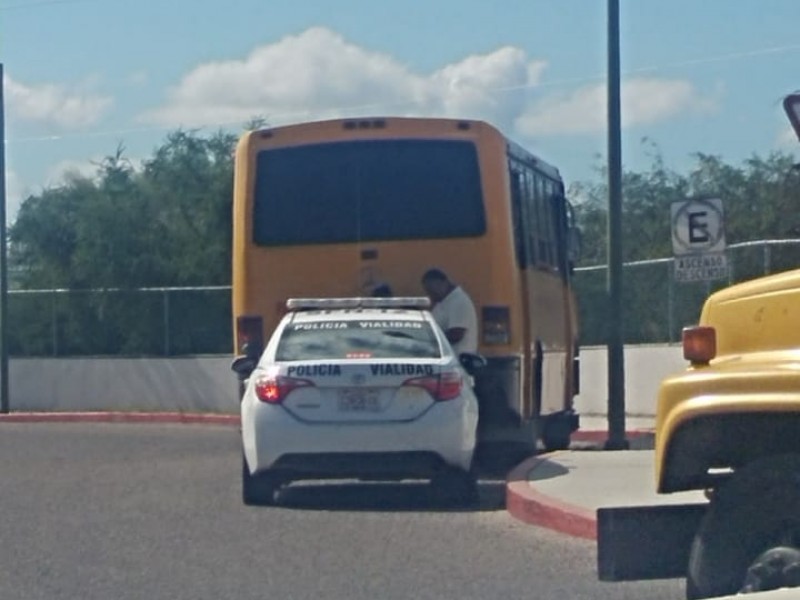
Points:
x=453 y=310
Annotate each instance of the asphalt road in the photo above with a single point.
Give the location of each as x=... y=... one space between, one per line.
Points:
x=113 y=511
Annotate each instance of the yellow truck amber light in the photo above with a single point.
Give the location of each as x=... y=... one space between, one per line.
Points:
x=699 y=344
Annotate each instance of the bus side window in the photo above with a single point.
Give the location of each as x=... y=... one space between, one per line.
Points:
x=560 y=220
x=518 y=223
x=529 y=217
x=543 y=218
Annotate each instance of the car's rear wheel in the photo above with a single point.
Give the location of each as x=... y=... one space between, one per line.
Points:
x=455 y=486
x=260 y=489
x=775 y=569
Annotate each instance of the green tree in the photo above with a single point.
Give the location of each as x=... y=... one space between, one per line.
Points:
x=167 y=224
x=758 y=196
x=189 y=182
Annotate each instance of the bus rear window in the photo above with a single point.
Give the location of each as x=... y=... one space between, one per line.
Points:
x=367 y=191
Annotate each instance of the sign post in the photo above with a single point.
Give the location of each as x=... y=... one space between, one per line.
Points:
x=698 y=240
x=4 y=402
x=616 y=349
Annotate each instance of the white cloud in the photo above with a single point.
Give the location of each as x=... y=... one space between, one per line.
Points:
x=787 y=139
x=52 y=104
x=643 y=101
x=137 y=78
x=319 y=74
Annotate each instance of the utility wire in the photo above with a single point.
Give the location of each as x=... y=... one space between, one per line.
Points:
x=24 y=5
x=349 y=109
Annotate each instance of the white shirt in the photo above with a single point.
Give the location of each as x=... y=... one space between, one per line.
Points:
x=456 y=311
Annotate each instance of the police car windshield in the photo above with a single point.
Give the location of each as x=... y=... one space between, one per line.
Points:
x=357 y=339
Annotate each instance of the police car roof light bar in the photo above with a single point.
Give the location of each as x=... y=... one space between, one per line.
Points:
x=408 y=302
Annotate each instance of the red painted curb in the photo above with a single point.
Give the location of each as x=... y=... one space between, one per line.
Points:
x=526 y=504
x=601 y=435
x=581 y=435
x=120 y=417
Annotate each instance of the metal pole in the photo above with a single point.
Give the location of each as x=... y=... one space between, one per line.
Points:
x=731 y=266
x=670 y=303
x=54 y=321
x=166 y=323
x=4 y=403
x=616 y=355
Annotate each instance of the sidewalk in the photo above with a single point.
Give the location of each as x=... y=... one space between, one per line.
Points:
x=563 y=490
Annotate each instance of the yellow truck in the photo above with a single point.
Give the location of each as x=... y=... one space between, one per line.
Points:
x=729 y=425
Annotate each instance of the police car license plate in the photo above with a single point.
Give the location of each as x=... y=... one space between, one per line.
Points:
x=359 y=400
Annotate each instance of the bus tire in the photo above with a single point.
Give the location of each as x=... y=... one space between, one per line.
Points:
x=751 y=516
x=556 y=434
x=260 y=489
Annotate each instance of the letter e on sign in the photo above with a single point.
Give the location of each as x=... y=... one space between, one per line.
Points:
x=698 y=226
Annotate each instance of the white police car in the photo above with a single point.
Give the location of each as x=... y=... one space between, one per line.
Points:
x=363 y=388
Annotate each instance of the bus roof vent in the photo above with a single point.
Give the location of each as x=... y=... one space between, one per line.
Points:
x=364 y=124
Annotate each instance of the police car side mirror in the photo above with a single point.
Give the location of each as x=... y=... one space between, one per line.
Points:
x=243 y=366
x=472 y=363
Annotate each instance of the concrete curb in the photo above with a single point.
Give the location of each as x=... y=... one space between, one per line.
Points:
x=528 y=505
x=523 y=502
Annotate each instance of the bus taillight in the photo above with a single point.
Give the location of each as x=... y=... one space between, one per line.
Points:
x=250 y=335
x=496 y=326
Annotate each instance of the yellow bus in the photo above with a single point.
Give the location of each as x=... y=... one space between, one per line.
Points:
x=336 y=208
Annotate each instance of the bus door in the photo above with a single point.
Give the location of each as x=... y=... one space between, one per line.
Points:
x=555 y=307
x=521 y=400
x=569 y=252
x=549 y=342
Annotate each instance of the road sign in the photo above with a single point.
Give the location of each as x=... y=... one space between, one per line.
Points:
x=791 y=104
x=701 y=267
x=698 y=226
x=698 y=240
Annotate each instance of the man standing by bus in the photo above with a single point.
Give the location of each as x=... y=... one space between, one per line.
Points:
x=453 y=310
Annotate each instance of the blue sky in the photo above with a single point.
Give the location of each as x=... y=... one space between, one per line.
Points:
x=83 y=76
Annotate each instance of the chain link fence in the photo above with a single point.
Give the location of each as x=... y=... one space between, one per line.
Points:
x=186 y=321
x=164 y=321
x=657 y=307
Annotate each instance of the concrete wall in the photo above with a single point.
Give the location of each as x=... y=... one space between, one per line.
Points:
x=645 y=367
x=206 y=384
x=202 y=384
